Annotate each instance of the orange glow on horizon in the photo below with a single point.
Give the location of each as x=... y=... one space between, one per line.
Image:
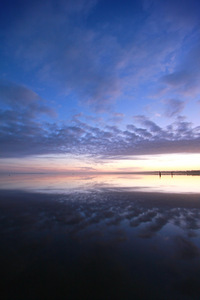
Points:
x=82 y=164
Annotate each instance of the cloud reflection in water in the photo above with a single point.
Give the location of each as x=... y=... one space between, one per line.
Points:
x=123 y=243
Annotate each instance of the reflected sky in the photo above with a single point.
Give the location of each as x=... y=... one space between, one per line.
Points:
x=118 y=244
x=61 y=183
x=120 y=236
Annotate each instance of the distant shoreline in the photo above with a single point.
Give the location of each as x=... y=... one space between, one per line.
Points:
x=72 y=173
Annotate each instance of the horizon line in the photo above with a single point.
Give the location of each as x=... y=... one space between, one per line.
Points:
x=105 y=172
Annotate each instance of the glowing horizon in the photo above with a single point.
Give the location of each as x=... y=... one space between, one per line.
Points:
x=167 y=162
x=68 y=183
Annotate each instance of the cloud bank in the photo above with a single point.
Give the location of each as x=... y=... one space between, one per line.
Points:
x=24 y=132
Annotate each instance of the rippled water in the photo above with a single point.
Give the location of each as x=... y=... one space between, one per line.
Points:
x=109 y=237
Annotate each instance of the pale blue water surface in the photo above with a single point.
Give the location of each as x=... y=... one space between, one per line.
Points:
x=100 y=237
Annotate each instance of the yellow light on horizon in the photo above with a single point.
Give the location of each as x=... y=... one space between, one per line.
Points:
x=69 y=163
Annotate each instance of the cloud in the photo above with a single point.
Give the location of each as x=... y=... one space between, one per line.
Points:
x=58 y=47
x=96 y=63
x=177 y=78
x=184 y=80
x=18 y=97
x=148 y=124
x=23 y=133
x=173 y=107
x=116 y=117
x=186 y=249
x=183 y=14
x=154 y=227
x=179 y=63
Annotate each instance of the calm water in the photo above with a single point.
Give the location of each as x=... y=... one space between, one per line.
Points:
x=70 y=184
x=100 y=237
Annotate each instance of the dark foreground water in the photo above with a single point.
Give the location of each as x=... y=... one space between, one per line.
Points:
x=105 y=244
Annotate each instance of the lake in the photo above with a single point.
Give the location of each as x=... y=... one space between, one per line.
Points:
x=117 y=236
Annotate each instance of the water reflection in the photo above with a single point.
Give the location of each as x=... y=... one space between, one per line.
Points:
x=121 y=240
x=71 y=183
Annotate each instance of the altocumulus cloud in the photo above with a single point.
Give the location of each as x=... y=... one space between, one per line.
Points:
x=91 y=58
x=58 y=42
x=22 y=133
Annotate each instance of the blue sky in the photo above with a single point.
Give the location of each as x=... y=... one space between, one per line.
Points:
x=91 y=83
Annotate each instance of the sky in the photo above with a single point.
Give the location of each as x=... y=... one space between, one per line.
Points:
x=99 y=85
